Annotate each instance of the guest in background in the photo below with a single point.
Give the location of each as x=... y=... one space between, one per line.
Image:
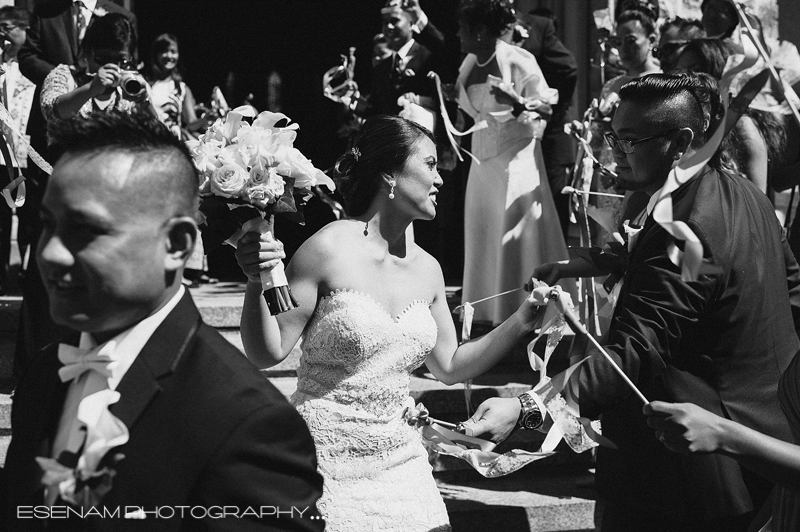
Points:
x=17 y=96
x=758 y=137
x=635 y=38
x=673 y=35
x=561 y=73
x=719 y=18
x=108 y=49
x=510 y=221
x=171 y=97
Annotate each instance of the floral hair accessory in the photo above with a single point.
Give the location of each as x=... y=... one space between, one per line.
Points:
x=99 y=12
x=356 y=153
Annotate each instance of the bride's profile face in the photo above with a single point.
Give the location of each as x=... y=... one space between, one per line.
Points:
x=419 y=181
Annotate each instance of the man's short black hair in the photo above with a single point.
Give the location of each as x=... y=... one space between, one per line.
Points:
x=680 y=100
x=155 y=148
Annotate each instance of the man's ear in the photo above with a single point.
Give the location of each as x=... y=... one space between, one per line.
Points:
x=683 y=140
x=181 y=238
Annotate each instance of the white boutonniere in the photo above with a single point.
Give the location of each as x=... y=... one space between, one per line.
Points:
x=99 y=12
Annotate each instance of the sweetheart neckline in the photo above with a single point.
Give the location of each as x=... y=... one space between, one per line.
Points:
x=375 y=302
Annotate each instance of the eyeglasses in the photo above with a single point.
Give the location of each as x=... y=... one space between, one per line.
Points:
x=626 y=146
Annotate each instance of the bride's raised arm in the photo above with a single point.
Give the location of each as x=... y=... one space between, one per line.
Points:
x=269 y=339
x=452 y=363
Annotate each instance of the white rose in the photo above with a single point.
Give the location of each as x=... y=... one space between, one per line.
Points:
x=229 y=180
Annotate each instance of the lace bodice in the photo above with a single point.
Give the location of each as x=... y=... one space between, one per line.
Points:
x=352 y=390
x=356 y=354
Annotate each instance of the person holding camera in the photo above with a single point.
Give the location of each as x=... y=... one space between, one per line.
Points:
x=105 y=78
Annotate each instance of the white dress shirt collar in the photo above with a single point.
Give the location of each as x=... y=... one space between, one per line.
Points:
x=131 y=342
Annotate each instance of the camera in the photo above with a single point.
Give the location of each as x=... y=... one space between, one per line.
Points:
x=133 y=85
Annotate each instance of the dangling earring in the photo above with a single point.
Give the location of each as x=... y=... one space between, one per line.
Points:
x=392 y=183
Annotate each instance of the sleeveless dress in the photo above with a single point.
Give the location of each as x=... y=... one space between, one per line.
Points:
x=786 y=508
x=510 y=220
x=352 y=390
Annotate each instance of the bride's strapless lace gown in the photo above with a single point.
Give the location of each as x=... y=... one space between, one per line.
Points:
x=352 y=390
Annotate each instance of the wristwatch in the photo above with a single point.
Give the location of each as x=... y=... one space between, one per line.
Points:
x=530 y=417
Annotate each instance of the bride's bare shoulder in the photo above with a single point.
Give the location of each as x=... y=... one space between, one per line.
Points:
x=330 y=241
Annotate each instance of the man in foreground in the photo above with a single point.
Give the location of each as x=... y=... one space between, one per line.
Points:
x=147 y=416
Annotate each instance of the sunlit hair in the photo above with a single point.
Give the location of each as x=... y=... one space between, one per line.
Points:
x=639 y=12
x=651 y=6
x=138 y=134
x=112 y=30
x=675 y=101
x=383 y=146
x=158 y=46
x=496 y=16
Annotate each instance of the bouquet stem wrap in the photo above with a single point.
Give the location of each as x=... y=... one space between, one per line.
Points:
x=274 y=284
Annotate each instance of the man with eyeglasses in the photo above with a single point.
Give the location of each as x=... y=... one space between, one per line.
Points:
x=720 y=342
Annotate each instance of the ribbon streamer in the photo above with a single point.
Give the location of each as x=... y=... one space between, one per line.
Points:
x=691 y=259
x=449 y=128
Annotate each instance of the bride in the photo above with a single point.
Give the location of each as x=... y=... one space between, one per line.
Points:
x=372 y=309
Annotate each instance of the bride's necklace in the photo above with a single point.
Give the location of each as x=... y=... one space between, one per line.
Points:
x=487 y=61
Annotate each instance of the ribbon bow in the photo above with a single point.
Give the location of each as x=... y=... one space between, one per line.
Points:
x=78 y=361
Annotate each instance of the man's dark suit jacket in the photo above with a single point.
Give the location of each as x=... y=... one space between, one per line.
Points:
x=389 y=81
x=561 y=73
x=206 y=429
x=720 y=342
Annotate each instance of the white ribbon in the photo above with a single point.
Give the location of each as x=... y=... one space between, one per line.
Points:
x=691 y=258
x=277 y=275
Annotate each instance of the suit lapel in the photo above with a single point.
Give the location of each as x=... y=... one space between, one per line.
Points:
x=159 y=358
x=38 y=422
x=69 y=30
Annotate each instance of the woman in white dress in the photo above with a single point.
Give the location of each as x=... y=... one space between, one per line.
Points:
x=510 y=222
x=372 y=309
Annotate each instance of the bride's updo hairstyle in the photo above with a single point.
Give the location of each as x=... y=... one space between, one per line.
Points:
x=681 y=100
x=496 y=16
x=383 y=146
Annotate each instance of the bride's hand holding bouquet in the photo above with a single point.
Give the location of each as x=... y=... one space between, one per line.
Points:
x=250 y=172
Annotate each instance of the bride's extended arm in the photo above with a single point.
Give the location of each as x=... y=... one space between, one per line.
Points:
x=451 y=363
x=269 y=339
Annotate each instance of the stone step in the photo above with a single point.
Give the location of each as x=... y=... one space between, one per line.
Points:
x=537 y=498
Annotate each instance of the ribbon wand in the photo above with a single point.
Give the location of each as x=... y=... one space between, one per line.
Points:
x=577 y=326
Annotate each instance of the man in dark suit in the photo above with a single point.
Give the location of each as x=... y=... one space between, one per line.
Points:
x=53 y=38
x=561 y=73
x=153 y=418
x=720 y=341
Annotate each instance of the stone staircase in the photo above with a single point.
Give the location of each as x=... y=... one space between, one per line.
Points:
x=555 y=494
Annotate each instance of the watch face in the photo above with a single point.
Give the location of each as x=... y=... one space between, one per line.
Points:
x=532 y=420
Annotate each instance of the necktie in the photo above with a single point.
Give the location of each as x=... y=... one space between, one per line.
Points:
x=80 y=21
x=78 y=361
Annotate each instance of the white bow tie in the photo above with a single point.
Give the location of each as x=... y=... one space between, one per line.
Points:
x=78 y=361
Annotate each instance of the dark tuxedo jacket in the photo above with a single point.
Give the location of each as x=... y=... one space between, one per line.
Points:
x=206 y=429
x=720 y=342
x=561 y=73
x=389 y=81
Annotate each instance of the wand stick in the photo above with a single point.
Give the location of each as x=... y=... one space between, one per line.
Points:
x=573 y=190
x=578 y=327
x=458 y=308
